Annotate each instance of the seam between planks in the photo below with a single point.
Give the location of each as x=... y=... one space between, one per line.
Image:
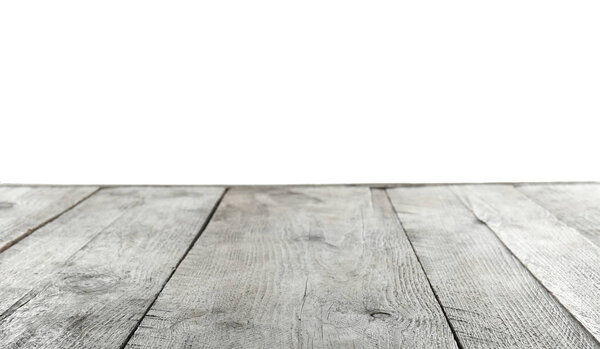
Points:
x=536 y=202
x=202 y=228
x=523 y=264
x=48 y=221
x=452 y=329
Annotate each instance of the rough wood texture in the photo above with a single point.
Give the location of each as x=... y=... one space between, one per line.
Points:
x=491 y=300
x=562 y=259
x=24 y=209
x=298 y=267
x=87 y=278
x=577 y=205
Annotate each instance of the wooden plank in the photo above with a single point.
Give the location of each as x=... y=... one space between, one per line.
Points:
x=40 y=255
x=577 y=205
x=86 y=279
x=562 y=259
x=24 y=209
x=491 y=300
x=298 y=267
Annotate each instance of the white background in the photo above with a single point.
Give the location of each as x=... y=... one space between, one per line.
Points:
x=279 y=91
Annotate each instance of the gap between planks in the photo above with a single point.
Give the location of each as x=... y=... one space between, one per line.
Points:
x=558 y=301
x=29 y=231
x=214 y=209
x=206 y=222
x=572 y=307
x=133 y=223
x=437 y=298
x=335 y=223
x=438 y=228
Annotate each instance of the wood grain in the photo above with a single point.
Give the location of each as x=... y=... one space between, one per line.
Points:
x=562 y=259
x=87 y=278
x=24 y=209
x=325 y=267
x=491 y=300
x=578 y=206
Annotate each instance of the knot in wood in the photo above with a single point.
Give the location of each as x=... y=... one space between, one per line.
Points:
x=90 y=283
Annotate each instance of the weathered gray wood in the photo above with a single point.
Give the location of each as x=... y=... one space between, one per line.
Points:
x=24 y=209
x=562 y=259
x=325 y=267
x=86 y=279
x=38 y=256
x=576 y=205
x=491 y=300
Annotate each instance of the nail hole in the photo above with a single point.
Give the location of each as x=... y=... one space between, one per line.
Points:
x=380 y=314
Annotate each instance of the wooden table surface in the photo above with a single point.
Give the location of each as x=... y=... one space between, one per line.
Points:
x=347 y=266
